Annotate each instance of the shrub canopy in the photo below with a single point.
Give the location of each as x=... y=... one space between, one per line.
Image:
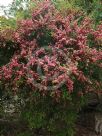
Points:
x=50 y=53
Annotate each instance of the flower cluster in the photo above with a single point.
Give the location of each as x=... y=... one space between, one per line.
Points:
x=53 y=52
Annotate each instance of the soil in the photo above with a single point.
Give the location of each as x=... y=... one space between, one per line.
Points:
x=84 y=131
x=81 y=131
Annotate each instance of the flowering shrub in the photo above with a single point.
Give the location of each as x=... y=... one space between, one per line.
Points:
x=58 y=57
x=59 y=46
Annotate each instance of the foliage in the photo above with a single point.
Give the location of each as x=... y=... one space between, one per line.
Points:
x=50 y=117
x=92 y=8
x=7 y=23
x=17 y=10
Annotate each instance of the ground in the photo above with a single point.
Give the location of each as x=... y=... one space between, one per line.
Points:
x=84 y=131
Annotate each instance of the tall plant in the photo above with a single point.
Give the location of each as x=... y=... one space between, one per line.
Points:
x=55 y=62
